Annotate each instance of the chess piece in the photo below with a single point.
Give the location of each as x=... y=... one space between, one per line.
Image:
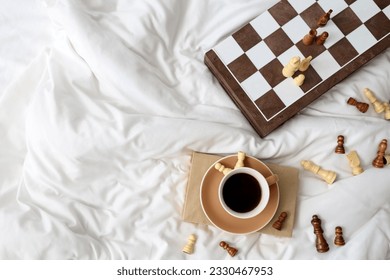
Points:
x=291 y=67
x=327 y=175
x=340 y=145
x=321 y=244
x=322 y=21
x=232 y=251
x=279 y=222
x=387 y=160
x=305 y=63
x=387 y=110
x=240 y=160
x=354 y=163
x=189 y=247
x=221 y=168
x=298 y=80
x=322 y=38
x=339 y=239
x=378 y=106
x=380 y=159
x=309 y=38
x=361 y=106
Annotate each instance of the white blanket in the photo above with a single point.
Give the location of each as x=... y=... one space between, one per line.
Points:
x=97 y=134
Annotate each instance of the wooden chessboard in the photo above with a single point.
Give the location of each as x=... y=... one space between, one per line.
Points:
x=249 y=63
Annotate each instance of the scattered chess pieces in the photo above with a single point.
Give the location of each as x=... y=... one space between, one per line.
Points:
x=240 y=160
x=379 y=161
x=305 y=63
x=354 y=163
x=291 y=67
x=340 y=145
x=323 y=20
x=339 y=239
x=298 y=80
x=327 y=175
x=222 y=168
x=320 y=40
x=361 y=106
x=279 y=222
x=321 y=244
x=310 y=37
x=387 y=110
x=378 y=106
x=232 y=251
x=189 y=247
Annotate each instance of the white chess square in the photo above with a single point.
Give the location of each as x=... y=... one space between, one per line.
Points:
x=365 y=9
x=260 y=54
x=301 y=5
x=288 y=91
x=285 y=57
x=255 y=86
x=296 y=29
x=228 y=50
x=265 y=24
x=325 y=65
x=357 y=41
x=335 y=34
x=335 y=6
x=386 y=11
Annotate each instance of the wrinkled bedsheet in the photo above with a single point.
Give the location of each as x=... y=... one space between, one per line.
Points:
x=102 y=104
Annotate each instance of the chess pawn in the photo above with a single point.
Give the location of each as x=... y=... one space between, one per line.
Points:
x=291 y=67
x=240 y=160
x=298 y=80
x=387 y=110
x=354 y=163
x=380 y=159
x=221 y=168
x=279 y=222
x=378 y=106
x=339 y=239
x=322 y=38
x=309 y=38
x=340 y=145
x=321 y=244
x=189 y=247
x=327 y=175
x=305 y=63
x=231 y=251
x=361 y=106
x=322 y=21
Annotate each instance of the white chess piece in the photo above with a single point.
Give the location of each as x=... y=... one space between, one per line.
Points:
x=240 y=160
x=378 y=106
x=291 y=67
x=305 y=63
x=299 y=80
x=189 y=247
x=221 y=168
x=327 y=175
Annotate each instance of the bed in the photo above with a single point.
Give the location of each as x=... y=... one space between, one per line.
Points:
x=103 y=105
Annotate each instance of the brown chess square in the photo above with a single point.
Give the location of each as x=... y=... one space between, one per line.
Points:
x=349 y=2
x=382 y=3
x=242 y=68
x=311 y=78
x=272 y=72
x=247 y=37
x=379 y=25
x=314 y=50
x=312 y=14
x=270 y=104
x=347 y=21
x=278 y=42
x=282 y=12
x=343 y=51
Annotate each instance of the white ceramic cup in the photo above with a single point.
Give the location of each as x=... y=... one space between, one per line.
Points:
x=243 y=200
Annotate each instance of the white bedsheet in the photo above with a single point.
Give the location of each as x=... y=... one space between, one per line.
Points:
x=98 y=129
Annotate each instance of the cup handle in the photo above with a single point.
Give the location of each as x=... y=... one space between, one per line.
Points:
x=272 y=179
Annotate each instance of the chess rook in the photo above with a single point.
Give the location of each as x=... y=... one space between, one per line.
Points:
x=189 y=247
x=221 y=168
x=379 y=161
x=240 y=160
x=279 y=222
x=310 y=37
x=327 y=175
x=340 y=145
x=378 y=106
x=361 y=106
x=322 y=21
x=339 y=239
x=231 y=251
x=321 y=244
x=322 y=38
x=354 y=163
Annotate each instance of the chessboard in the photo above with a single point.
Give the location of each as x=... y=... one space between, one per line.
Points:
x=249 y=62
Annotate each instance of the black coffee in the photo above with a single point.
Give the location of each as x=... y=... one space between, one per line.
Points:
x=241 y=192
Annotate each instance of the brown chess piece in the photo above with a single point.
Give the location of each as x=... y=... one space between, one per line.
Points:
x=379 y=161
x=309 y=38
x=322 y=21
x=232 y=251
x=361 y=106
x=322 y=38
x=321 y=244
x=279 y=222
x=340 y=145
x=339 y=239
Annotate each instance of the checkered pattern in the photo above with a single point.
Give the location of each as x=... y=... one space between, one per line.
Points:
x=256 y=54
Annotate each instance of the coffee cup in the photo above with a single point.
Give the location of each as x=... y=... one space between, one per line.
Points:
x=244 y=192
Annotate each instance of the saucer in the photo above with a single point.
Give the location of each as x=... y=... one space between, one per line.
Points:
x=216 y=213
